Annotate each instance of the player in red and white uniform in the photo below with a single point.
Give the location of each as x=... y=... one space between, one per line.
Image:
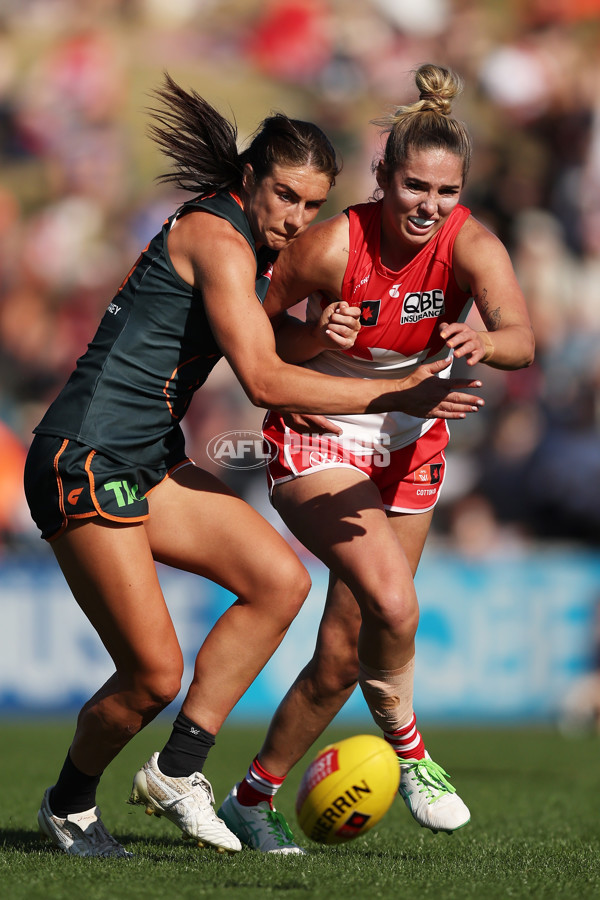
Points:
x=361 y=497
x=400 y=314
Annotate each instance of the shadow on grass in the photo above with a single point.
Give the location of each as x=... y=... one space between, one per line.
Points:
x=27 y=841
x=19 y=839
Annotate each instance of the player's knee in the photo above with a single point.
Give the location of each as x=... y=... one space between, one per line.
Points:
x=292 y=584
x=302 y=585
x=163 y=690
x=394 y=611
x=159 y=686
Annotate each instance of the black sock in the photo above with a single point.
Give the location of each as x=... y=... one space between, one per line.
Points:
x=74 y=791
x=186 y=750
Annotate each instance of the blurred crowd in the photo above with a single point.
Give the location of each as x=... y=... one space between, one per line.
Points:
x=79 y=199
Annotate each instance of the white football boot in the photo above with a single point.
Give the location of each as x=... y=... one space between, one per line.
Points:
x=430 y=797
x=258 y=827
x=79 y=834
x=185 y=801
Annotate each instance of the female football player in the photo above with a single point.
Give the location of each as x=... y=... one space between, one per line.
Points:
x=362 y=500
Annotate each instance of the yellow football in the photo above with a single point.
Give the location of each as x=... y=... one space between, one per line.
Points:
x=347 y=789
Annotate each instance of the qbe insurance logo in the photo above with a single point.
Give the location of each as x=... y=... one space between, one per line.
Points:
x=241 y=450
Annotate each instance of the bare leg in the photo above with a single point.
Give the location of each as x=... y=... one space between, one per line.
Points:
x=222 y=538
x=110 y=571
x=327 y=681
x=321 y=689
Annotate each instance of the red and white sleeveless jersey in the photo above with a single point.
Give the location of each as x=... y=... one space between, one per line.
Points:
x=400 y=315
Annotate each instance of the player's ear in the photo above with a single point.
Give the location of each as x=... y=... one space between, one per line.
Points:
x=381 y=175
x=248 y=179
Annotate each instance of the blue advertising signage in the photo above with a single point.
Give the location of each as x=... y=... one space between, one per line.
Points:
x=497 y=640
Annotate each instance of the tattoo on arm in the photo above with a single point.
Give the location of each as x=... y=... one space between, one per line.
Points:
x=491 y=317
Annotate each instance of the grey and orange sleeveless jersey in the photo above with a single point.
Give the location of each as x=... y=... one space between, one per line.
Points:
x=153 y=349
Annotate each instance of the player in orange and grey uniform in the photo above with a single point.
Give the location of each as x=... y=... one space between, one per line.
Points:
x=114 y=430
x=109 y=483
x=409 y=263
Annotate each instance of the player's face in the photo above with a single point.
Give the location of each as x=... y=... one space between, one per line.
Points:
x=284 y=203
x=419 y=196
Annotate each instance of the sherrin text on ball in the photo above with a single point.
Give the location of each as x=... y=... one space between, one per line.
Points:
x=347 y=789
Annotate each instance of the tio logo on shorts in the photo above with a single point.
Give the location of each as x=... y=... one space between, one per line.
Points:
x=241 y=450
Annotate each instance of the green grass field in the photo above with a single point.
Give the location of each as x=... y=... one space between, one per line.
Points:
x=535 y=830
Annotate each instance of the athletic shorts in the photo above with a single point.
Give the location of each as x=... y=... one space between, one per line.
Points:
x=409 y=480
x=67 y=480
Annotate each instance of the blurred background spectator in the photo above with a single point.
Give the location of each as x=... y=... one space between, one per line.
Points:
x=78 y=201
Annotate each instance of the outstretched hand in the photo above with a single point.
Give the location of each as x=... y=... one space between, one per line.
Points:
x=426 y=396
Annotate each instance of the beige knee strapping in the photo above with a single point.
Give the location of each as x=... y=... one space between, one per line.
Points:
x=389 y=694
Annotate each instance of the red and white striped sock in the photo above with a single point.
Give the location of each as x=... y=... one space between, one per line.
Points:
x=407 y=741
x=258 y=785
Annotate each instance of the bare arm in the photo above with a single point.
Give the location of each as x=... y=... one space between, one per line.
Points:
x=208 y=252
x=483 y=267
x=316 y=261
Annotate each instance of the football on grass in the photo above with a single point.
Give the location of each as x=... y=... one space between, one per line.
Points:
x=347 y=789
